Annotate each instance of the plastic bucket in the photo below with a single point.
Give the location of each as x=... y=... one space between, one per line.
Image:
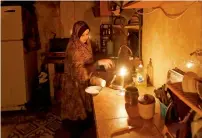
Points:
x=163 y=109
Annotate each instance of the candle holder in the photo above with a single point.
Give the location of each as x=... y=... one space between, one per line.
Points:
x=122 y=74
x=118 y=81
x=121 y=70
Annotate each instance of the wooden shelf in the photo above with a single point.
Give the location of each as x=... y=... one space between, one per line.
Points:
x=190 y=99
x=142 y=4
x=117 y=26
x=105 y=35
x=135 y=27
x=155 y=4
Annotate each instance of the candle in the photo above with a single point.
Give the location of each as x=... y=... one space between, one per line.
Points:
x=122 y=73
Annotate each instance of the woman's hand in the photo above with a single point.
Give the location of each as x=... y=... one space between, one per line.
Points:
x=97 y=81
x=107 y=63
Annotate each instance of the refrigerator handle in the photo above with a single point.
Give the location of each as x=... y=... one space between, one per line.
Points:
x=9 y=11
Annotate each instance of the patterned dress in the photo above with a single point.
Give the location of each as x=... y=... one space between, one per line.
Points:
x=75 y=102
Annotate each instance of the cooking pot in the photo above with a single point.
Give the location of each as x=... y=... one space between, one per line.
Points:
x=131 y=95
x=146 y=106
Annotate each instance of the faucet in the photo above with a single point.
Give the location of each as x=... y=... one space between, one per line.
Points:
x=130 y=58
x=131 y=53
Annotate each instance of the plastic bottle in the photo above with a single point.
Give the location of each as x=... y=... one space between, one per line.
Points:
x=97 y=46
x=110 y=47
x=150 y=73
x=140 y=78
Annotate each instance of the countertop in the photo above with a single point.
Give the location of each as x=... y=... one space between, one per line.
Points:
x=113 y=120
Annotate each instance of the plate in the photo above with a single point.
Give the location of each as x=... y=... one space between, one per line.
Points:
x=93 y=89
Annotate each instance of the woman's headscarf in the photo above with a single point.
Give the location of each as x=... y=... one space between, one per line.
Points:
x=75 y=34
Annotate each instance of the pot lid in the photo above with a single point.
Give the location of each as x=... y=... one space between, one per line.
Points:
x=146 y=99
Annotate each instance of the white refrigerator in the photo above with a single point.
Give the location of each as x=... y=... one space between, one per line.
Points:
x=15 y=76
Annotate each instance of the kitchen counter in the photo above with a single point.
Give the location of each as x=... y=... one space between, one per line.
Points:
x=113 y=120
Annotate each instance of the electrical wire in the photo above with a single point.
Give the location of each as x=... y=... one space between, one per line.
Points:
x=197 y=52
x=131 y=53
x=178 y=15
x=153 y=9
x=171 y=16
x=74 y=11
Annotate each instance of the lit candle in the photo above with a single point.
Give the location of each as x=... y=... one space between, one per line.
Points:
x=123 y=72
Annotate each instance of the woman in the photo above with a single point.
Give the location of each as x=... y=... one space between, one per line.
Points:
x=76 y=105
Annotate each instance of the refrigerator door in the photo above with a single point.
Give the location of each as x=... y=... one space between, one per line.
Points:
x=13 y=85
x=11 y=23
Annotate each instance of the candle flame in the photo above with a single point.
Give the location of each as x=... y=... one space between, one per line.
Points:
x=123 y=71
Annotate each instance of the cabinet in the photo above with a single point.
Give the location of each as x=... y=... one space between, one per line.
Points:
x=105 y=36
x=184 y=104
x=191 y=100
x=101 y=9
x=128 y=30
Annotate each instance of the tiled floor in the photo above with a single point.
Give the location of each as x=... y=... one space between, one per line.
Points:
x=25 y=125
x=36 y=125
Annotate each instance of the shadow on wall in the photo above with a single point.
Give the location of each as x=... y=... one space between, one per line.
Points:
x=49 y=24
x=94 y=23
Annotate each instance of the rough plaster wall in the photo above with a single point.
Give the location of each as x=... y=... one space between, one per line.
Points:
x=82 y=11
x=48 y=16
x=58 y=17
x=169 y=42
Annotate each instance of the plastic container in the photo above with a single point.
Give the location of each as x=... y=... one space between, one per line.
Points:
x=110 y=48
x=163 y=109
x=146 y=106
x=140 y=78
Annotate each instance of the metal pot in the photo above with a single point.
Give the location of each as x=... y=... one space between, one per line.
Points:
x=131 y=95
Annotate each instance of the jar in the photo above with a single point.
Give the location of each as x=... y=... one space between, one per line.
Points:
x=146 y=106
x=131 y=95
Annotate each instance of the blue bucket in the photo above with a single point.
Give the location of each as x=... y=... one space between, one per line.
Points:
x=163 y=109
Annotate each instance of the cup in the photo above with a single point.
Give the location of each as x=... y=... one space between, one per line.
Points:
x=97 y=81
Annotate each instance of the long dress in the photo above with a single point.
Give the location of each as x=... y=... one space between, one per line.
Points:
x=75 y=102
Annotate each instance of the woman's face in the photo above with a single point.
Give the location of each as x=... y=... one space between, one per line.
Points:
x=85 y=36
